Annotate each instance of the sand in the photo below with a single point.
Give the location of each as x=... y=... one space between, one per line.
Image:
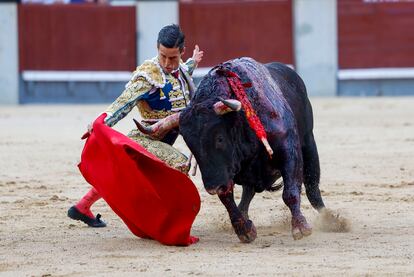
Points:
x=366 y=148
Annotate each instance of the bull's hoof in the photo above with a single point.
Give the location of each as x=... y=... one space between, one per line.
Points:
x=300 y=228
x=245 y=230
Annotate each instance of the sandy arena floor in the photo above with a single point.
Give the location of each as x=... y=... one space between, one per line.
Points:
x=366 y=148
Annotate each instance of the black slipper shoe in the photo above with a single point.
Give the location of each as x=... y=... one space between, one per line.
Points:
x=91 y=222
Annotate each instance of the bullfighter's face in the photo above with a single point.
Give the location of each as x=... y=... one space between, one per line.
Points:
x=169 y=58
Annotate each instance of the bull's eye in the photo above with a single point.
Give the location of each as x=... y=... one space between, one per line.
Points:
x=219 y=141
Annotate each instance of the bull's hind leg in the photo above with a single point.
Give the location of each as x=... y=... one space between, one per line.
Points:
x=243 y=227
x=311 y=172
x=292 y=178
x=247 y=196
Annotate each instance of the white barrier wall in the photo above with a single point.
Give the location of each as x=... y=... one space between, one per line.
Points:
x=316 y=51
x=9 y=88
x=151 y=17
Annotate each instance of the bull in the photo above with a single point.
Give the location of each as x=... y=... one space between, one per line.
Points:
x=228 y=151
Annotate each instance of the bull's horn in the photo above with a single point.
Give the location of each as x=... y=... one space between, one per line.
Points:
x=144 y=129
x=161 y=128
x=227 y=105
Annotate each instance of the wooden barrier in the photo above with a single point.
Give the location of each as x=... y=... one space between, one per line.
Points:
x=375 y=34
x=231 y=29
x=77 y=37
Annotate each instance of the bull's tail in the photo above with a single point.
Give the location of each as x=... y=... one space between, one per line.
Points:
x=311 y=172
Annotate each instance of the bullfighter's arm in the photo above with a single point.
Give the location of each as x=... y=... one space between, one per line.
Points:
x=191 y=65
x=127 y=100
x=193 y=62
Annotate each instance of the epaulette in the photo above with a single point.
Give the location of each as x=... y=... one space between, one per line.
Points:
x=152 y=72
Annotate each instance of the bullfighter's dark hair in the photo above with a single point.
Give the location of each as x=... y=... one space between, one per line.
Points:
x=171 y=36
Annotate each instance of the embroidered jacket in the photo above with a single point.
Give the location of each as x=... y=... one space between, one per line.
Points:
x=155 y=93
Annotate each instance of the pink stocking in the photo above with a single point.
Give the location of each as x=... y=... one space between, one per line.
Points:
x=84 y=205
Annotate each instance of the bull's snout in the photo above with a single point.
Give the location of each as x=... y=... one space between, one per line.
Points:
x=221 y=190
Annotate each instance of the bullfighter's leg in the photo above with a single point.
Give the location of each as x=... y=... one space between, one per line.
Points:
x=163 y=151
x=247 y=196
x=243 y=227
x=311 y=172
x=82 y=210
x=292 y=178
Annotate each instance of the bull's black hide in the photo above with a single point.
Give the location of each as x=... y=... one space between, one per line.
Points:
x=228 y=151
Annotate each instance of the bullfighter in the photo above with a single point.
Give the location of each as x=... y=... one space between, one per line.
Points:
x=159 y=87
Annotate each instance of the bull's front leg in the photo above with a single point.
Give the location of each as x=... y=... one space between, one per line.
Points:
x=292 y=178
x=247 y=196
x=243 y=227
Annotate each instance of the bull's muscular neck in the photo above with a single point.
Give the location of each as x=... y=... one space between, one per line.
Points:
x=253 y=166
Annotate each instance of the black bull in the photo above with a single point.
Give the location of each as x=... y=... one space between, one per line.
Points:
x=228 y=150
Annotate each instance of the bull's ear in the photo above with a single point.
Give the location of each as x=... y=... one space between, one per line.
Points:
x=226 y=105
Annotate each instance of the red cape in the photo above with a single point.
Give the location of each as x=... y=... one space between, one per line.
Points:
x=154 y=200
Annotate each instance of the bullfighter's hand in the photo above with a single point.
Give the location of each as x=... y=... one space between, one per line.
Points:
x=197 y=55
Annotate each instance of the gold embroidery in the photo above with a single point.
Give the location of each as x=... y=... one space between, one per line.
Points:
x=151 y=71
x=157 y=114
x=146 y=77
x=175 y=94
x=126 y=101
x=178 y=104
x=163 y=151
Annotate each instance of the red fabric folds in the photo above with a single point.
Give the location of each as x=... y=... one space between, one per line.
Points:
x=154 y=200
